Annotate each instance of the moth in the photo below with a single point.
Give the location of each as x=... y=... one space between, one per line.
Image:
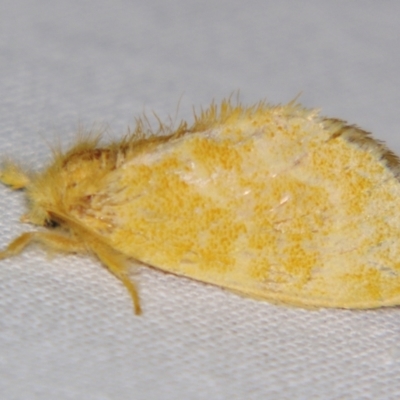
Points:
x=272 y=202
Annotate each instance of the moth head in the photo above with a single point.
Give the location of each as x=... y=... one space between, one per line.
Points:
x=40 y=217
x=40 y=205
x=40 y=193
x=52 y=193
x=17 y=178
x=66 y=187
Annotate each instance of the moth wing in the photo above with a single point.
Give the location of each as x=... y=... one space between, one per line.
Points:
x=276 y=205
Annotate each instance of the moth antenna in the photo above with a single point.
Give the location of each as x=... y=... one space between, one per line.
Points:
x=14 y=176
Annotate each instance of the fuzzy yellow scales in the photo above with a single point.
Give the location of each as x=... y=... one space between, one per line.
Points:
x=276 y=203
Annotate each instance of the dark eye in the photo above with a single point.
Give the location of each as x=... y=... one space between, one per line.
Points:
x=50 y=223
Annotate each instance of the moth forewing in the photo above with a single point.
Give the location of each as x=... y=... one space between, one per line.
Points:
x=276 y=203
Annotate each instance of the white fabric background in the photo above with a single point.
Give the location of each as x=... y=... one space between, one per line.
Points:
x=67 y=330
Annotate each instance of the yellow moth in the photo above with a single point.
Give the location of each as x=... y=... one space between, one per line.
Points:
x=275 y=203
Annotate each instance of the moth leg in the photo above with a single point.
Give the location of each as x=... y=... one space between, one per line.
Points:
x=117 y=265
x=47 y=239
x=115 y=261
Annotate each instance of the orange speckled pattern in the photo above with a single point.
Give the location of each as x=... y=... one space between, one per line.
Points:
x=274 y=202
